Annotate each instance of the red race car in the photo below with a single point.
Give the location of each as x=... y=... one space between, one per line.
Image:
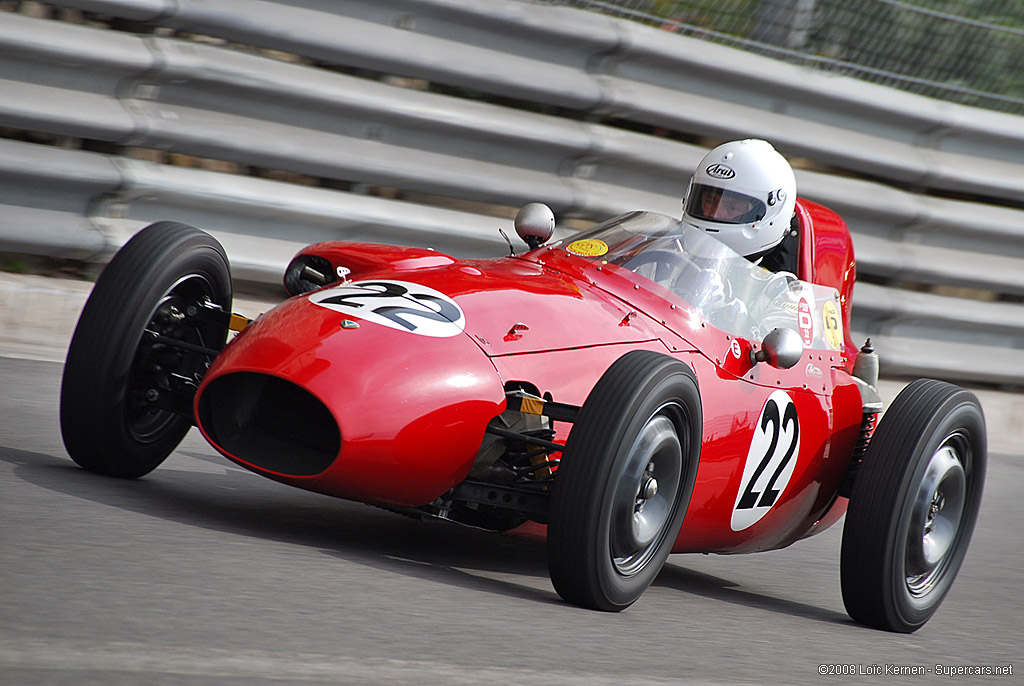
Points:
x=639 y=388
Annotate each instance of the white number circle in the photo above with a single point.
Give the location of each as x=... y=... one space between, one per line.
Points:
x=399 y=305
x=771 y=460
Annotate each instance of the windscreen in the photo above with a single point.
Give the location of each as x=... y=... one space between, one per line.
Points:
x=719 y=285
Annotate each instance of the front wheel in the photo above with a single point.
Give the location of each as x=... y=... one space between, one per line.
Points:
x=913 y=506
x=125 y=395
x=624 y=481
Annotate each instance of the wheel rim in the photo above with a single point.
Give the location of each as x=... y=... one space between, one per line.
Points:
x=155 y=364
x=936 y=516
x=646 y=492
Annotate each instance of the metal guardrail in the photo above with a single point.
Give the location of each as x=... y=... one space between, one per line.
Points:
x=158 y=92
x=956 y=50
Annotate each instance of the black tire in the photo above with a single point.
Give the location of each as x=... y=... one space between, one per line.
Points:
x=642 y=420
x=913 y=506
x=107 y=423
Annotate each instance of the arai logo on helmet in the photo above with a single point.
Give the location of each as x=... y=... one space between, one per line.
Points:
x=720 y=171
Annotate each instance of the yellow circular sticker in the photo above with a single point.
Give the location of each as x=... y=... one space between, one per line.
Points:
x=588 y=247
x=833 y=325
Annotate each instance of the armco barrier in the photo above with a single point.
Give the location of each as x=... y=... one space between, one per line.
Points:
x=558 y=80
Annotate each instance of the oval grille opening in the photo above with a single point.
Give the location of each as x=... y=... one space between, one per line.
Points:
x=270 y=423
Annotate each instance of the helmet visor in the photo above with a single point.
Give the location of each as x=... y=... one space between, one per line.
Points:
x=723 y=206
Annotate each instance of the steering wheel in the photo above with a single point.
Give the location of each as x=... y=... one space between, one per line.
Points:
x=771 y=309
x=663 y=267
x=778 y=286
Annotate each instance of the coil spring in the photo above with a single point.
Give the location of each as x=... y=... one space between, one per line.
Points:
x=867 y=430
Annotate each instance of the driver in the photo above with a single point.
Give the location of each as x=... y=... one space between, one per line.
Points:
x=744 y=194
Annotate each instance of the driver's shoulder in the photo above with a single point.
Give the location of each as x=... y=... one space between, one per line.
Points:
x=785 y=256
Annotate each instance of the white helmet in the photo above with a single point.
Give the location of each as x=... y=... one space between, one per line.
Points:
x=743 y=193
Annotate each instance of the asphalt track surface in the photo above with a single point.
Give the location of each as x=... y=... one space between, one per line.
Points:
x=202 y=573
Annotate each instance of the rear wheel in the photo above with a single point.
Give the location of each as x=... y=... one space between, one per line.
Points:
x=624 y=481
x=125 y=393
x=913 y=506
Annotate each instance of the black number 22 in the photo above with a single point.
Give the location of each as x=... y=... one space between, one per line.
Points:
x=752 y=498
x=445 y=312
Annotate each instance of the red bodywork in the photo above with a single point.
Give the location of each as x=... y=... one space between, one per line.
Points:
x=412 y=410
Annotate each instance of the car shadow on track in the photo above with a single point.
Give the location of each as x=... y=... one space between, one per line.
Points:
x=233 y=501
x=716 y=588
